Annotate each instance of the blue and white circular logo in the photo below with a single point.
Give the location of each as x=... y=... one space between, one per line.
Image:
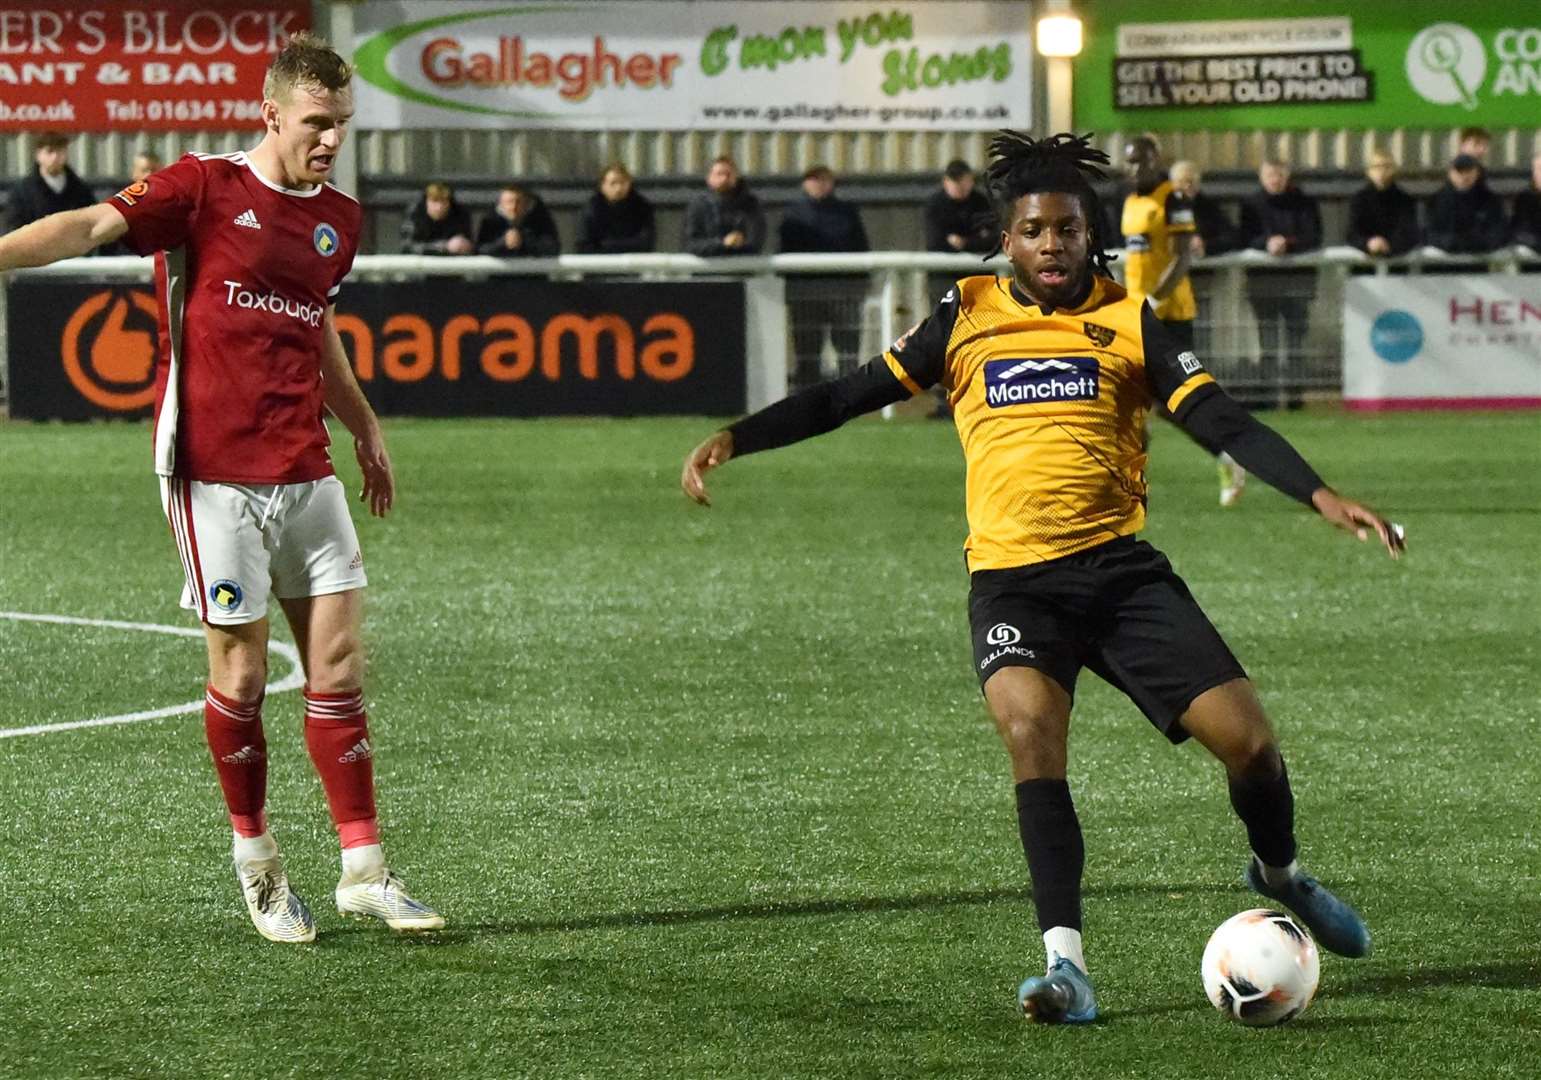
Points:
x=325 y=239
x=225 y=594
x=1396 y=336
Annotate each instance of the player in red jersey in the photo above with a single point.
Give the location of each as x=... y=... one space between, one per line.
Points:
x=250 y=251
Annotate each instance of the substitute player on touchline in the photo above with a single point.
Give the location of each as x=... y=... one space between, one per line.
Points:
x=1051 y=373
x=250 y=252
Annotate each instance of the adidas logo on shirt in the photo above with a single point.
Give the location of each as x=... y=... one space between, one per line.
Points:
x=360 y=752
x=248 y=219
x=246 y=755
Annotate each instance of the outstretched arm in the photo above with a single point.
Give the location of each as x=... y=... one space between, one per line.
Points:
x=812 y=412
x=1216 y=420
x=346 y=400
x=61 y=236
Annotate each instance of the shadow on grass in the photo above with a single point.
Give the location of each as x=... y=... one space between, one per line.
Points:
x=777 y=909
x=1507 y=975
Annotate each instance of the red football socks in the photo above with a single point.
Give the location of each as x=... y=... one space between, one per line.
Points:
x=337 y=736
x=234 y=731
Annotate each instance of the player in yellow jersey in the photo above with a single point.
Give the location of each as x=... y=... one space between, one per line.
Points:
x=1051 y=373
x=1159 y=227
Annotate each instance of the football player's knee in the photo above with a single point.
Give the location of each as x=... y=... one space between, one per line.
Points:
x=240 y=679
x=338 y=665
x=1029 y=733
x=1260 y=760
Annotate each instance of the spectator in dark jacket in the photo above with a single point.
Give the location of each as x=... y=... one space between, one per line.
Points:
x=1215 y=232
x=50 y=187
x=958 y=216
x=1281 y=220
x=1526 y=225
x=821 y=221
x=618 y=218
x=726 y=219
x=1465 y=216
x=1382 y=218
x=437 y=224
x=518 y=227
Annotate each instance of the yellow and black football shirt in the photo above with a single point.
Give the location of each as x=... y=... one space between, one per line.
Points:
x=1150 y=221
x=1050 y=407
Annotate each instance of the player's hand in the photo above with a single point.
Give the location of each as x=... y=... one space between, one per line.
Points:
x=716 y=450
x=1359 y=520
x=379 y=481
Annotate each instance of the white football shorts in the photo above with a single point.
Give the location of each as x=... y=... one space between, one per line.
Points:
x=240 y=543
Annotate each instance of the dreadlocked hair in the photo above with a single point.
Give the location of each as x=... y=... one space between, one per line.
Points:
x=1020 y=165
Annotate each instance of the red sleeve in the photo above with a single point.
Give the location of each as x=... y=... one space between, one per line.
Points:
x=161 y=208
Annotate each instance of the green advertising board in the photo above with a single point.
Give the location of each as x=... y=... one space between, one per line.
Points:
x=1220 y=65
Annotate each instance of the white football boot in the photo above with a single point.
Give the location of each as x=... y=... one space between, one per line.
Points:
x=276 y=912
x=384 y=896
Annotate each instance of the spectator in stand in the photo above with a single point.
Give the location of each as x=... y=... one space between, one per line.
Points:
x=1475 y=142
x=1465 y=216
x=725 y=219
x=518 y=227
x=145 y=163
x=1526 y=225
x=1216 y=232
x=1281 y=220
x=958 y=215
x=618 y=218
x=821 y=221
x=1382 y=218
x=50 y=187
x=437 y=224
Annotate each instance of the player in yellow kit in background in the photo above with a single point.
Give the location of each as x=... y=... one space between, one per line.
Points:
x=1158 y=229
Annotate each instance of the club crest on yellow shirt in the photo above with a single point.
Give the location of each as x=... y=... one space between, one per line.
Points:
x=1102 y=336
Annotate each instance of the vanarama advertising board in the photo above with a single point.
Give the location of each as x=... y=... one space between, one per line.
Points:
x=680 y=64
x=1309 y=64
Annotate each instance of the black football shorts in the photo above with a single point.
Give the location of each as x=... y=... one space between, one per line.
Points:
x=1119 y=609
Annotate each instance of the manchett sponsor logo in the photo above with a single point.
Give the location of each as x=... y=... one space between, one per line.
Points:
x=238 y=295
x=1036 y=382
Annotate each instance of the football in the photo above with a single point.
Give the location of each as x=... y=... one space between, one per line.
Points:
x=1260 y=968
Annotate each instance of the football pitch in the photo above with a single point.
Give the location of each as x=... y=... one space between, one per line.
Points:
x=712 y=793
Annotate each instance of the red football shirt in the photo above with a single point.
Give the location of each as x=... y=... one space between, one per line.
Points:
x=244 y=272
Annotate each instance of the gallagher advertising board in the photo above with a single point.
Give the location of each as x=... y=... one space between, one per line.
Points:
x=428 y=348
x=683 y=64
x=152 y=66
x=1310 y=64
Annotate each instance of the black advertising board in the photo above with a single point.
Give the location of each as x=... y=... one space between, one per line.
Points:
x=435 y=347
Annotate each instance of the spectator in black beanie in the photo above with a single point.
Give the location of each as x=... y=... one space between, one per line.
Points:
x=1465 y=216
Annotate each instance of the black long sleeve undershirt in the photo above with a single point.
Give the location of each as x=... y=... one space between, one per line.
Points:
x=818 y=409
x=1215 y=419
x=1210 y=415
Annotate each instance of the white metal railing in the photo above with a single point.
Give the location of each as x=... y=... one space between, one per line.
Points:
x=902 y=286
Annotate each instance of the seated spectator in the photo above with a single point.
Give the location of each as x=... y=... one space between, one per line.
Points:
x=50 y=187
x=958 y=217
x=145 y=163
x=437 y=224
x=519 y=226
x=1215 y=232
x=1465 y=216
x=618 y=218
x=1526 y=224
x=725 y=219
x=1382 y=218
x=822 y=221
x=1475 y=142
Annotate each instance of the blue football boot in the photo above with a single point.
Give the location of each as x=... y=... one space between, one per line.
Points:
x=1335 y=925
x=1063 y=996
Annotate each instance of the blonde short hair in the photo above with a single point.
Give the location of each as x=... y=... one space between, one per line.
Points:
x=305 y=60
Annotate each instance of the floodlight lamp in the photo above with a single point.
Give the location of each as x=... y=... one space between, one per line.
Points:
x=1059 y=35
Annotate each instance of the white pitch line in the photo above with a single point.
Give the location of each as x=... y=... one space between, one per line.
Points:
x=292 y=681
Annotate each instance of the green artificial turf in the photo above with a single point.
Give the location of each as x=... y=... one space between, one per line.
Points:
x=713 y=793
